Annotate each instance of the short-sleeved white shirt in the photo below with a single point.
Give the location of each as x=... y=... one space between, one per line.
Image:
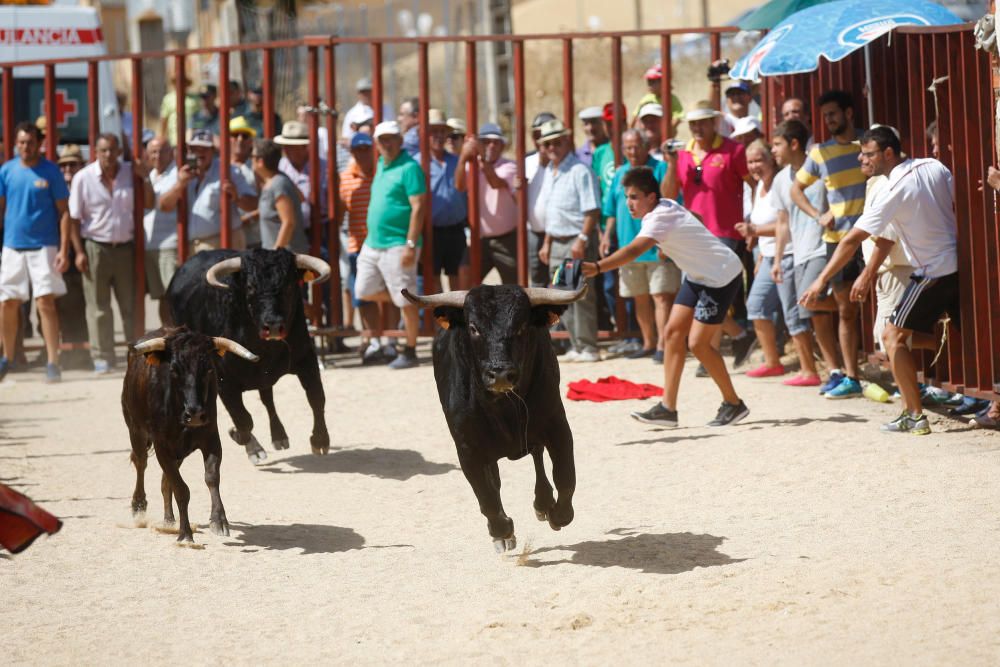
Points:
x=105 y=216
x=918 y=202
x=763 y=212
x=684 y=239
x=160 y=226
x=806 y=233
x=569 y=190
x=896 y=256
x=205 y=202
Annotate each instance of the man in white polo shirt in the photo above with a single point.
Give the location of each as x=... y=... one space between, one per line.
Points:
x=918 y=203
x=712 y=275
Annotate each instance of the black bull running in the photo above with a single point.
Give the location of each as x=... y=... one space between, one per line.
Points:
x=498 y=380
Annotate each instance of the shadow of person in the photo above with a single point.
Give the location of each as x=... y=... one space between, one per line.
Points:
x=664 y=553
x=311 y=538
x=399 y=464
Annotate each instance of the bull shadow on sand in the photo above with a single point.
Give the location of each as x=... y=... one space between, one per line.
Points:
x=311 y=538
x=380 y=462
x=663 y=553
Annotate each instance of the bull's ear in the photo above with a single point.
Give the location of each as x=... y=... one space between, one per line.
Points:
x=448 y=317
x=153 y=358
x=546 y=316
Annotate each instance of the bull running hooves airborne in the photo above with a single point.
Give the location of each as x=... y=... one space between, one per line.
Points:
x=255 y=452
x=505 y=544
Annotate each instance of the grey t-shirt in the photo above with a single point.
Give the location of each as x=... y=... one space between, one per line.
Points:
x=807 y=234
x=280 y=186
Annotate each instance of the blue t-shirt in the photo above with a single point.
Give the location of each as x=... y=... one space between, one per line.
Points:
x=448 y=205
x=31 y=220
x=615 y=206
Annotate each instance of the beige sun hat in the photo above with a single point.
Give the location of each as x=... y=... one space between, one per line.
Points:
x=552 y=129
x=436 y=117
x=293 y=133
x=703 y=110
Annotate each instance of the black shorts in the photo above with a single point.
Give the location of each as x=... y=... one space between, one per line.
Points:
x=924 y=301
x=449 y=247
x=850 y=271
x=710 y=303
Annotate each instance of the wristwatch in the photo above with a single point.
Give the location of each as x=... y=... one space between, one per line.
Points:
x=583 y=237
x=411 y=244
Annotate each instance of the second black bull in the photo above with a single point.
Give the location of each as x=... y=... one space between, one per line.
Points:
x=498 y=380
x=254 y=298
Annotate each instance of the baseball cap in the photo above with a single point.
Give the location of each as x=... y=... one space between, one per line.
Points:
x=651 y=109
x=654 y=72
x=361 y=139
x=202 y=138
x=386 y=127
x=363 y=83
x=239 y=125
x=745 y=125
x=607 y=114
x=738 y=85
x=491 y=131
x=591 y=113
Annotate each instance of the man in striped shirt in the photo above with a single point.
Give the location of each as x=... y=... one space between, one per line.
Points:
x=355 y=193
x=836 y=162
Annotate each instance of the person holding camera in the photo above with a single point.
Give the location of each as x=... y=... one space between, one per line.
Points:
x=160 y=226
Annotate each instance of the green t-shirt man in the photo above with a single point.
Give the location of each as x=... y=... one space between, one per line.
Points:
x=389 y=209
x=168 y=113
x=676 y=108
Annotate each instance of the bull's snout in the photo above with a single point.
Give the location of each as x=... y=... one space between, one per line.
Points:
x=500 y=380
x=273 y=330
x=195 y=417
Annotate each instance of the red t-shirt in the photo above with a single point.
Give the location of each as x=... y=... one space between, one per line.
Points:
x=716 y=193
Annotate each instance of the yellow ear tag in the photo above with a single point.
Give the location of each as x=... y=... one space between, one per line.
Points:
x=309 y=276
x=553 y=319
x=152 y=360
x=443 y=322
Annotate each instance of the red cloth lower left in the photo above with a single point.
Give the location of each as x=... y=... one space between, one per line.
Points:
x=22 y=521
x=610 y=389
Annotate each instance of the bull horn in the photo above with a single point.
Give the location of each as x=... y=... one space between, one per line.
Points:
x=314 y=264
x=226 y=345
x=546 y=296
x=151 y=345
x=223 y=268
x=452 y=299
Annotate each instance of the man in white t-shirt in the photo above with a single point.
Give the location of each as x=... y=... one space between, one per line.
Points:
x=712 y=274
x=918 y=203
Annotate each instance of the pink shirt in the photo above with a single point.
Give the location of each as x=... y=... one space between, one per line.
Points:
x=716 y=194
x=498 y=208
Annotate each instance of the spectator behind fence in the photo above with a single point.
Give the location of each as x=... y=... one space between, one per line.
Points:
x=205 y=197
x=835 y=162
x=237 y=101
x=650 y=119
x=36 y=239
x=652 y=282
x=449 y=207
x=498 y=211
x=160 y=226
x=168 y=109
x=280 y=204
x=596 y=132
x=241 y=138
x=207 y=115
x=72 y=307
x=360 y=112
x=254 y=113
x=534 y=171
x=409 y=125
x=294 y=143
x=388 y=260
x=918 y=202
x=569 y=205
x=101 y=203
x=805 y=236
x=654 y=76
x=794 y=108
x=739 y=98
x=456 y=135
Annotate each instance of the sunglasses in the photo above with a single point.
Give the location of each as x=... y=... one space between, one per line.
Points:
x=697 y=175
x=549 y=144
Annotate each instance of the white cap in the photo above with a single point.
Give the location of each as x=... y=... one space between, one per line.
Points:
x=592 y=113
x=386 y=127
x=745 y=125
x=651 y=109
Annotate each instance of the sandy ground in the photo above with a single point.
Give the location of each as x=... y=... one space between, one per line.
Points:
x=801 y=536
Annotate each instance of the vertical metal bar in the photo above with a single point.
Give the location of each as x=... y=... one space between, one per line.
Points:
x=267 y=92
x=182 y=207
x=312 y=84
x=616 y=98
x=335 y=312
x=225 y=205
x=93 y=105
x=138 y=205
x=430 y=275
x=520 y=148
x=377 y=101
x=472 y=177
x=567 y=72
x=51 y=130
x=666 y=89
x=715 y=40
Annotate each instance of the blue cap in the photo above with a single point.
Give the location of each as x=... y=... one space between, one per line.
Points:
x=491 y=131
x=361 y=139
x=739 y=85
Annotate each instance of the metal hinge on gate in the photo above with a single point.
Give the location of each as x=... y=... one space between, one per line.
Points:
x=322 y=109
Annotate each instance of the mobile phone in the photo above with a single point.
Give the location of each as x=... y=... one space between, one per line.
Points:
x=191 y=160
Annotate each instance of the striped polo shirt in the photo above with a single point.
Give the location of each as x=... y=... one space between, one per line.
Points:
x=355 y=192
x=837 y=164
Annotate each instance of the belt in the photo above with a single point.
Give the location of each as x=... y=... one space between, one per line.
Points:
x=564 y=239
x=109 y=244
x=27 y=249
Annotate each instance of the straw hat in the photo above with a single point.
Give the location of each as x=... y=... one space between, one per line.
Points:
x=702 y=111
x=293 y=133
x=436 y=117
x=70 y=153
x=552 y=129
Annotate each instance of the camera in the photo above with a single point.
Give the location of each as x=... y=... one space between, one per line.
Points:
x=717 y=70
x=672 y=145
x=191 y=161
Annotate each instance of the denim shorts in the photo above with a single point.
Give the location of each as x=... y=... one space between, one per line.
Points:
x=766 y=297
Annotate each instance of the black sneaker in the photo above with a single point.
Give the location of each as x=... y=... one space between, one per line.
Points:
x=730 y=414
x=742 y=347
x=701 y=371
x=658 y=415
x=640 y=354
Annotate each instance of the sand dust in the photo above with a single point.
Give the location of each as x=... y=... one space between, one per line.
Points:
x=801 y=536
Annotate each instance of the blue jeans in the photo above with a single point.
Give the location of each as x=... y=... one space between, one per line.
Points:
x=767 y=298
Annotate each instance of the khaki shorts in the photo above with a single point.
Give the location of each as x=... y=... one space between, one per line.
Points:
x=380 y=270
x=237 y=241
x=25 y=273
x=160 y=268
x=640 y=278
x=889 y=288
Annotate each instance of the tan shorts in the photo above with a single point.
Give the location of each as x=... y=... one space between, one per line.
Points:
x=237 y=241
x=639 y=278
x=889 y=288
x=380 y=270
x=160 y=268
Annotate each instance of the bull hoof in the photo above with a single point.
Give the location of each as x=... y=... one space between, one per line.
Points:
x=541 y=516
x=185 y=538
x=255 y=452
x=321 y=451
x=219 y=528
x=320 y=444
x=505 y=544
x=559 y=518
x=138 y=508
x=280 y=444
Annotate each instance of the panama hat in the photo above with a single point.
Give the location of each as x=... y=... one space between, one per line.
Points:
x=293 y=133
x=552 y=129
x=70 y=153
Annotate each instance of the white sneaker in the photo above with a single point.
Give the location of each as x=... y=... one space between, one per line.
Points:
x=570 y=357
x=588 y=356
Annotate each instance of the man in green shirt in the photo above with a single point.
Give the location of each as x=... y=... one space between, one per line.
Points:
x=387 y=262
x=654 y=75
x=168 y=110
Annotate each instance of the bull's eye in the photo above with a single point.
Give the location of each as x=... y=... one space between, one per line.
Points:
x=473 y=331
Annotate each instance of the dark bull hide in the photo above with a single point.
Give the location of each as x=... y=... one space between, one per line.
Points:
x=498 y=381
x=168 y=400
x=253 y=297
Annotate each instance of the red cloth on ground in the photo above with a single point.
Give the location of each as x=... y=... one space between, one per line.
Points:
x=22 y=521
x=610 y=389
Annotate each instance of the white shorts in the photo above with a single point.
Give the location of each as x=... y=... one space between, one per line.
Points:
x=21 y=269
x=380 y=270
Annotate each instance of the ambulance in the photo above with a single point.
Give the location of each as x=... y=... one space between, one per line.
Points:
x=40 y=32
